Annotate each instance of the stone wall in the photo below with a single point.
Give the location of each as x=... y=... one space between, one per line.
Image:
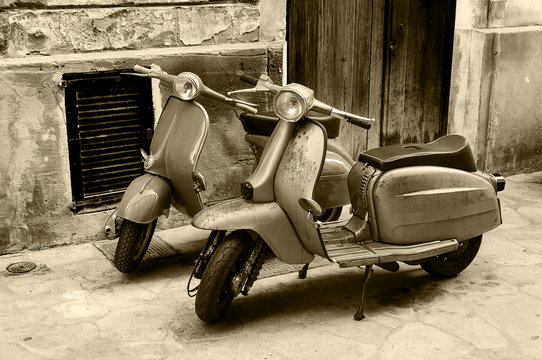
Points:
x=496 y=82
x=42 y=40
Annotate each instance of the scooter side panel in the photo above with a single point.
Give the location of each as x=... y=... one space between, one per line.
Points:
x=425 y=203
x=266 y=219
x=147 y=197
x=296 y=178
x=176 y=147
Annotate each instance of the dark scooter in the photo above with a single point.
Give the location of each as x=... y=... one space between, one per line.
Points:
x=423 y=204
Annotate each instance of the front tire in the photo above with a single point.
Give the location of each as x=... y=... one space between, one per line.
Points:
x=214 y=293
x=134 y=239
x=450 y=264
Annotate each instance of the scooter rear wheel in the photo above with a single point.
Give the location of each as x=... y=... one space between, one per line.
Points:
x=134 y=239
x=214 y=292
x=450 y=264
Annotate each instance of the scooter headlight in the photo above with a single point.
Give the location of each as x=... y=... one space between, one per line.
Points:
x=290 y=105
x=186 y=86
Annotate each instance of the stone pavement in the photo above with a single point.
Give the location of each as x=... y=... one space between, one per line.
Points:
x=75 y=305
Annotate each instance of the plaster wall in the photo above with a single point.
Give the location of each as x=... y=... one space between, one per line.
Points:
x=496 y=79
x=41 y=41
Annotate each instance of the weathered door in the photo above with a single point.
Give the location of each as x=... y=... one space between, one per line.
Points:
x=419 y=36
x=331 y=50
x=388 y=59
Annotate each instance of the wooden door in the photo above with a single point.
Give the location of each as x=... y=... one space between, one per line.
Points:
x=388 y=59
x=331 y=49
x=419 y=36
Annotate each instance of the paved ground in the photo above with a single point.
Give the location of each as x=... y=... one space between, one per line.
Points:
x=75 y=305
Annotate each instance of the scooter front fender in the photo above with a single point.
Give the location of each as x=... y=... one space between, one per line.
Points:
x=267 y=219
x=147 y=197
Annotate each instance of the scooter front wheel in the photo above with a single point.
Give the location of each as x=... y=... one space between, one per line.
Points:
x=215 y=293
x=134 y=239
x=450 y=264
x=331 y=214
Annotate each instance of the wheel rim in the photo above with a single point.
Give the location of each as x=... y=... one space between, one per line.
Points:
x=142 y=239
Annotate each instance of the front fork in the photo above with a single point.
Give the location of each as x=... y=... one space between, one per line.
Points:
x=215 y=238
x=244 y=279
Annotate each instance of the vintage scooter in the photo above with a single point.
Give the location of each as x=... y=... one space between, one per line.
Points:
x=171 y=177
x=415 y=203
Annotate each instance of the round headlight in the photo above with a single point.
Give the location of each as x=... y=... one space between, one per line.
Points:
x=289 y=105
x=186 y=87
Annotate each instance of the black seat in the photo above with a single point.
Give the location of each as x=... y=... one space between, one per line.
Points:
x=449 y=151
x=263 y=123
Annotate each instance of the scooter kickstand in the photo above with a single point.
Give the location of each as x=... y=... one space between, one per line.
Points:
x=302 y=274
x=360 y=314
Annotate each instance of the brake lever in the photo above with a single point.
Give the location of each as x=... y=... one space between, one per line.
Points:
x=237 y=101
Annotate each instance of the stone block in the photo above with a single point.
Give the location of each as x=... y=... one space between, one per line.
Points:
x=471 y=14
x=273 y=20
x=48 y=32
x=515 y=113
x=470 y=87
x=508 y=13
x=494 y=97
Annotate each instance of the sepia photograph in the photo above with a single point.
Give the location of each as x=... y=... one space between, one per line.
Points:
x=271 y=179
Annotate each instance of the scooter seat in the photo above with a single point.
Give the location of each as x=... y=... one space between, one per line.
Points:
x=451 y=151
x=263 y=123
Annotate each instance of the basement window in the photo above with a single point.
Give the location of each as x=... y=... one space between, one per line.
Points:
x=109 y=119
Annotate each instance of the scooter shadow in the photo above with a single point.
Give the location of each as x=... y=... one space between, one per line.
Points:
x=335 y=294
x=178 y=266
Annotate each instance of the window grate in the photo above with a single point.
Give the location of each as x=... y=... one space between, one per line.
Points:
x=109 y=118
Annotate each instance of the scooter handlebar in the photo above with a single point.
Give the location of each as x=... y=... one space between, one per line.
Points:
x=141 y=69
x=359 y=121
x=164 y=76
x=249 y=79
x=362 y=122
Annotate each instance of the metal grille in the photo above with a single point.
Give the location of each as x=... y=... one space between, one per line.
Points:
x=109 y=118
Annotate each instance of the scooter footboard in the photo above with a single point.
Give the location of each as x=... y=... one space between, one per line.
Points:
x=372 y=253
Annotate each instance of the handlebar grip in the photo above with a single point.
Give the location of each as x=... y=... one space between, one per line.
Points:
x=141 y=69
x=249 y=79
x=360 y=122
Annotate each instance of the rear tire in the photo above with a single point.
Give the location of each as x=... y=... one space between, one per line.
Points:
x=450 y=264
x=214 y=293
x=134 y=239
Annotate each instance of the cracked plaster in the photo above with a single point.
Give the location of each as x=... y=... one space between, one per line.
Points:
x=46 y=32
